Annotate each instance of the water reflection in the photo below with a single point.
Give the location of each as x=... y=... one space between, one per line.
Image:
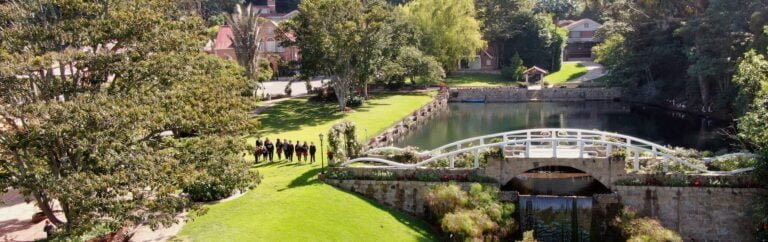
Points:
x=466 y=120
x=556 y=218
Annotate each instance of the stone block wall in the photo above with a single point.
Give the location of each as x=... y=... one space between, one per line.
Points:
x=406 y=196
x=407 y=172
x=416 y=120
x=514 y=94
x=697 y=213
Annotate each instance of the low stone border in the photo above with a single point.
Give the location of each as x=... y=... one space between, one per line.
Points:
x=413 y=122
x=515 y=94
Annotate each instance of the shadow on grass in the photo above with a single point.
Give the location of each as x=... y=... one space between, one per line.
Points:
x=427 y=232
x=290 y=115
x=308 y=178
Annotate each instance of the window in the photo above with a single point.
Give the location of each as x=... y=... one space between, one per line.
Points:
x=280 y=49
x=575 y=34
x=586 y=25
x=270 y=30
x=488 y=62
x=271 y=46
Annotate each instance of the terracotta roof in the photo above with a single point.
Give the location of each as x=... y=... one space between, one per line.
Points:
x=223 y=38
x=535 y=70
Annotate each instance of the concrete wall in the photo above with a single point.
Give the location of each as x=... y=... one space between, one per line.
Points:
x=514 y=94
x=697 y=213
x=407 y=196
x=416 y=120
x=603 y=170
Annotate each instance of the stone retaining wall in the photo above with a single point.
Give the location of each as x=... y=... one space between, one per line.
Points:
x=697 y=213
x=514 y=94
x=407 y=196
x=411 y=123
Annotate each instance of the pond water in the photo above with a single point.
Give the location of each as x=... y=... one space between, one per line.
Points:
x=556 y=202
x=466 y=120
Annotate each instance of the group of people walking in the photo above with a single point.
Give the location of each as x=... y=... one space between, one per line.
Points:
x=266 y=149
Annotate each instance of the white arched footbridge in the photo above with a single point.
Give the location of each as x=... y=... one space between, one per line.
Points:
x=552 y=143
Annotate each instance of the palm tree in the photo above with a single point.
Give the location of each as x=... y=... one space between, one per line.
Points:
x=246 y=26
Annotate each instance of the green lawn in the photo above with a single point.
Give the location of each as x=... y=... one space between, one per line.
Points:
x=292 y=205
x=477 y=80
x=568 y=71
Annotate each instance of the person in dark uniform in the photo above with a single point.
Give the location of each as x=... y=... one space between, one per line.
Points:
x=289 y=151
x=312 y=151
x=49 y=229
x=264 y=149
x=305 y=149
x=270 y=150
x=257 y=152
x=285 y=148
x=279 y=149
x=298 y=151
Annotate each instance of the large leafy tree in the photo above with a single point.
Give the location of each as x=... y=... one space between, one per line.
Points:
x=341 y=39
x=88 y=90
x=450 y=31
x=515 y=29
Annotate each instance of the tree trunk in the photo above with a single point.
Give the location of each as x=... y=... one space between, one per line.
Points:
x=340 y=88
x=704 y=90
x=44 y=204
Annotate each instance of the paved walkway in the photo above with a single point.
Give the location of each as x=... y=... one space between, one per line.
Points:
x=594 y=70
x=297 y=88
x=16 y=219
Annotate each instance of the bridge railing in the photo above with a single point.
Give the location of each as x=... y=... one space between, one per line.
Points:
x=535 y=142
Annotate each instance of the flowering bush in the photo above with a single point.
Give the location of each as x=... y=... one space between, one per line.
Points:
x=473 y=215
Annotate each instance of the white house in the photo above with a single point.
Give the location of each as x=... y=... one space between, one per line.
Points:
x=581 y=37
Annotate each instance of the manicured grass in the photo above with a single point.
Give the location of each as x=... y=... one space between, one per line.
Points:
x=477 y=80
x=291 y=204
x=568 y=71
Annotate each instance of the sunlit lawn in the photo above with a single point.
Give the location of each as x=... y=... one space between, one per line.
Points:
x=292 y=205
x=478 y=80
x=569 y=71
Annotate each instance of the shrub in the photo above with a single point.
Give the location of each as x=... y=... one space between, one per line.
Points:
x=355 y=101
x=382 y=175
x=638 y=229
x=443 y=199
x=467 y=223
x=427 y=175
x=473 y=215
x=339 y=174
x=514 y=71
x=207 y=192
x=734 y=163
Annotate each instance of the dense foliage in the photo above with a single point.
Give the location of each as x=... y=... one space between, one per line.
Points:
x=449 y=29
x=514 y=28
x=359 y=43
x=88 y=91
x=473 y=215
x=681 y=53
x=637 y=229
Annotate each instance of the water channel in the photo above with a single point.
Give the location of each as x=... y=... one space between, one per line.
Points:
x=556 y=202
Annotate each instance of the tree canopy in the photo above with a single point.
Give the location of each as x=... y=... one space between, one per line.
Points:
x=88 y=91
x=449 y=29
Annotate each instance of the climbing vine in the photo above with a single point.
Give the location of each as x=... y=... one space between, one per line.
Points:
x=342 y=141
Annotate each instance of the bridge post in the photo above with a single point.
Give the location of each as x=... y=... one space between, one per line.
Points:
x=527 y=149
x=665 y=164
x=581 y=145
x=636 y=162
x=477 y=159
x=453 y=161
x=554 y=144
x=609 y=150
